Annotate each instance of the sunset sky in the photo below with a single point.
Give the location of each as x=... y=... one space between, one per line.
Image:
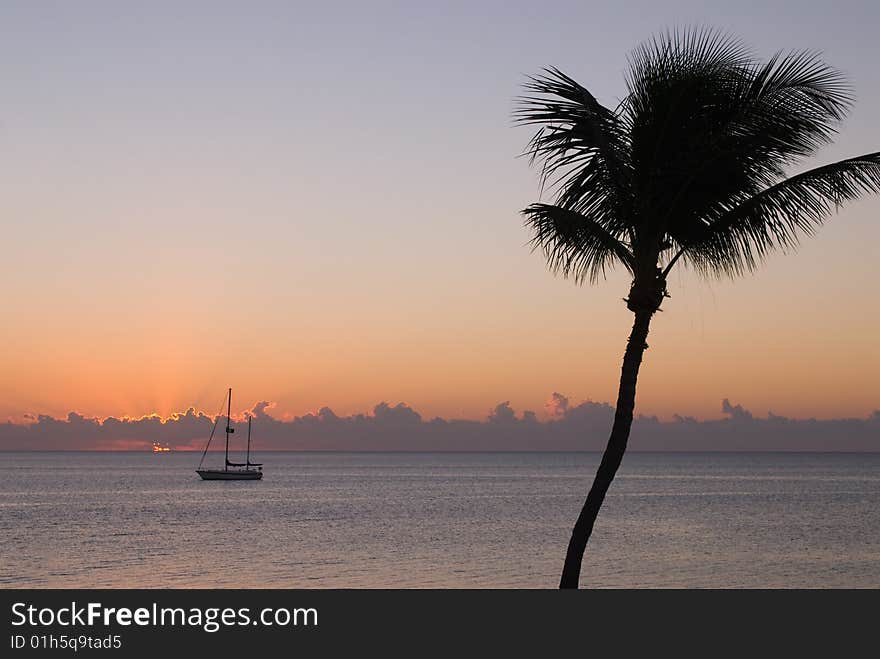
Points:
x=318 y=205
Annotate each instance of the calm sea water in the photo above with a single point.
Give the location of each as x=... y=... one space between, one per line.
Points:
x=438 y=520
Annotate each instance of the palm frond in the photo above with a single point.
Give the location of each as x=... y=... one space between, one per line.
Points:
x=682 y=52
x=581 y=144
x=574 y=245
x=738 y=239
x=794 y=102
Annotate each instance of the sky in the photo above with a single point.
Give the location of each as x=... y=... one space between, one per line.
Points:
x=317 y=204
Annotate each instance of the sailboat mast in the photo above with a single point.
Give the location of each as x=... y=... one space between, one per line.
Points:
x=228 y=420
x=248 y=459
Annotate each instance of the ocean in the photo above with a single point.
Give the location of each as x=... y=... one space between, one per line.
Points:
x=439 y=520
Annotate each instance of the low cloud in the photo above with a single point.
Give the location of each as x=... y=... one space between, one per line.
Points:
x=557 y=405
x=568 y=427
x=735 y=411
x=502 y=413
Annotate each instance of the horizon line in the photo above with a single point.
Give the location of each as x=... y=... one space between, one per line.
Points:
x=425 y=451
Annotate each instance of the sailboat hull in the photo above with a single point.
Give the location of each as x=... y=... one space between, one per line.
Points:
x=237 y=475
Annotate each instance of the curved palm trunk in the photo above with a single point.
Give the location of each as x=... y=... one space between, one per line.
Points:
x=611 y=459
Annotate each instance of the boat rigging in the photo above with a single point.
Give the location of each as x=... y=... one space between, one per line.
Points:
x=239 y=471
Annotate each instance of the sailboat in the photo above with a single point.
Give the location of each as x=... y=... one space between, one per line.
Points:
x=236 y=473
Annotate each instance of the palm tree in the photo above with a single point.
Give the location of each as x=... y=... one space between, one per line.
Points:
x=689 y=169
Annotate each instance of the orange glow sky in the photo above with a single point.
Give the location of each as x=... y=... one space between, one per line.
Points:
x=326 y=214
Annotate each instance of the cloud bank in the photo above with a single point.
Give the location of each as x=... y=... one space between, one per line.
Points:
x=568 y=427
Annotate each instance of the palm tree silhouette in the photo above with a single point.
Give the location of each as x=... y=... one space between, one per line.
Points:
x=688 y=169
